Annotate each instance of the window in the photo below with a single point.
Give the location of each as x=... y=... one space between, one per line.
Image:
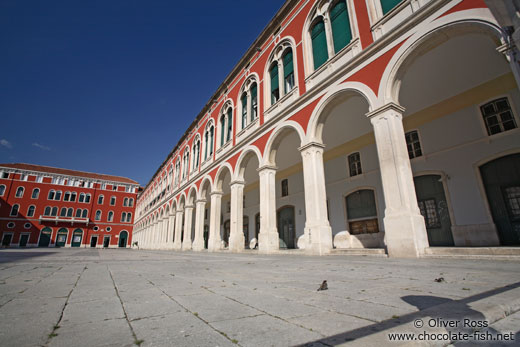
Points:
x=249 y=101
x=285 y=187
x=319 y=44
x=110 y=216
x=31 y=210
x=362 y=212
x=114 y=187
x=98 y=215
x=100 y=200
x=87 y=198
x=51 y=195
x=73 y=196
x=413 y=144
x=196 y=153
x=185 y=163
x=14 y=210
x=58 y=195
x=78 y=213
x=512 y=197
x=81 y=197
x=63 y=212
x=27 y=225
x=35 y=193
x=243 y=101
x=2 y=190
x=229 y=124
x=429 y=211
x=131 y=202
x=5 y=174
x=23 y=177
x=10 y=225
x=54 y=212
x=288 y=71
x=222 y=128
x=84 y=214
x=498 y=116
x=354 y=164
x=129 y=217
x=125 y=202
x=387 y=5
x=70 y=212
x=112 y=201
x=19 y=192
x=66 y=196
x=47 y=211
x=340 y=23
x=275 y=90
x=123 y=217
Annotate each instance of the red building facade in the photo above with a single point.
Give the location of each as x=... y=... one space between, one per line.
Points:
x=51 y=207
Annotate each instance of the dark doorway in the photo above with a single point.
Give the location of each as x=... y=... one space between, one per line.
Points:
x=206 y=236
x=24 y=238
x=225 y=237
x=93 y=241
x=286 y=227
x=106 y=241
x=77 y=236
x=245 y=229
x=45 y=237
x=6 y=240
x=61 y=238
x=434 y=209
x=123 y=236
x=257 y=225
x=501 y=179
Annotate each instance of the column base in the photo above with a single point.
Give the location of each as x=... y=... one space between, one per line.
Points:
x=214 y=245
x=405 y=235
x=177 y=246
x=186 y=245
x=198 y=245
x=236 y=243
x=318 y=239
x=268 y=241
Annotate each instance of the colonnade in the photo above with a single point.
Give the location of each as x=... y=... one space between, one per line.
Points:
x=404 y=226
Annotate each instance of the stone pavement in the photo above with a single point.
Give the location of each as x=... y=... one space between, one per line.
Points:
x=122 y=297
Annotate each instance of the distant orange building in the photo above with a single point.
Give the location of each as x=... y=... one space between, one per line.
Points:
x=50 y=207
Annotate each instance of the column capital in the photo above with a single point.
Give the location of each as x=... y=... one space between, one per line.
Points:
x=201 y=201
x=390 y=106
x=216 y=193
x=236 y=182
x=312 y=144
x=266 y=168
x=188 y=206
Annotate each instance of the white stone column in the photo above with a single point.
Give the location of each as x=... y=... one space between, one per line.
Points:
x=198 y=243
x=236 y=235
x=318 y=233
x=268 y=239
x=164 y=232
x=188 y=221
x=178 y=230
x=170 y=231
x=405 y=231
x=157 y=238
x=214 y=222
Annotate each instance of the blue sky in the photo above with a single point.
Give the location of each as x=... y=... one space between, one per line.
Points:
x=110 y=86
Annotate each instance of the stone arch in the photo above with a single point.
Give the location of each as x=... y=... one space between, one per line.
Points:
x=341 y=91
x=274 y=140
x=173 y=206
x=431 y=36
x=182 y=201
x=205 y=187
x=192 y=196
x=243 y=159
x=217 y=186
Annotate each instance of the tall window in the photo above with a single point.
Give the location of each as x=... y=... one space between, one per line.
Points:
x=387 y=5
x=196 y=153
x=222 y=128
x=129 y=217
x=70 y=212
x=340 y=23
x=498 y=116
x=98 y=215
x=100 y=200
x=84 y=214
x=229 y=124
x=14 y=210
x=54 y=211
x=243 y=101
x=87 y=198
x=177 y=171
x=47 y=211
x=354 y=164
x=131 y=202
x=112 y=201
x=19 y=192
x=288 y=71
x=125 y=202
x=362 y=212
x=275 y=88
x=35 y=193
x=73 y=196
x=285 y=187
x=319 y=44
x=66 y=196
x=51 y=195
x=78 y=213
x=249 y=101
x=413 y=144
x=185 y=163
x=58 y=195
x=31 y=210
x=110 y=216
x=2 y=190
x=81 y=197
x=208 y=141
x=123 y=217
x=63 y=212
x=254 y=101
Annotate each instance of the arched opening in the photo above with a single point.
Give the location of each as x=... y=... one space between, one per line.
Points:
x=61 y=237
x=123 y=239
x=77 y=237
x=45 y=237
x=222 y=181
x=286 y=227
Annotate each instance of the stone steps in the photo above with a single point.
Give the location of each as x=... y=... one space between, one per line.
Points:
x=473 y=252
x=374 y=252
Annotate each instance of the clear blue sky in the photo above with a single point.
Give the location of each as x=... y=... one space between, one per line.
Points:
x=110 y=86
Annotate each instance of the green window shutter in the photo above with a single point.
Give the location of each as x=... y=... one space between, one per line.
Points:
x=319 y=44
x=222 y=129
x=288 y=63
x=244 y=110
x=274 y=77
x=254 y=101
x=341 y=33
x=253 y=92
x=230 y=124
x=387 y=5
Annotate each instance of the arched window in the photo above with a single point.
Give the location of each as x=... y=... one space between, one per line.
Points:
x=84 y=214
x=387 y=5
x=362 y=212
x=129 y=217
x=229 y=124
x=222 y=129
x=87 y=198
x=81 y=197
x=112 y=201
x=63 y=212
x=78 y=213
x=100 y=200
x=177 y=171
x=243 y=101
x=254 y=102
x=131 y=202
x=185 y=163
x=58 y=195
x=208 y=141
x=19 y=192
x=14 y=210
x=66 y=196
x=54 y=211
x=275 y=89
x=340 y=23
x=98 y=215
x=70 y=212
x=35 y=193
x=319 y=44
x=123 y=217
x=73 y=196
x=51 y=195
x=288 y=70
x=31 y=210
x=110 y=216
x=47 y=211
x=196 y=153
x=125 y=202
x=2 y=190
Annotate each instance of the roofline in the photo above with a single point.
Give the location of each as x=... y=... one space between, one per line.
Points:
x=271 y=26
